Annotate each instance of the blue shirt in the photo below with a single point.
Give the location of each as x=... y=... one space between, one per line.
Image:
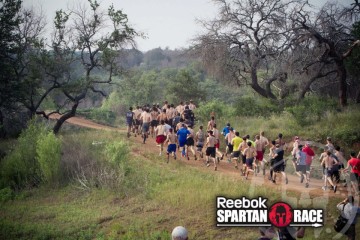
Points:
x=225 y=130
x=182 y=134
x=301 y=158
x=129 y=117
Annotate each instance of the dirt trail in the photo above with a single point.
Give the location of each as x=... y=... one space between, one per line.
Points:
x=224 y=167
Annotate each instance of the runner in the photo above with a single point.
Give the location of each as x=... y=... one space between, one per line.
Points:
x=281 y=142
x=242 y=147
x=182 y=134
x=341 y=159
x=200 y=140
x=216 y=134
x=264 y=140
x=309 y=158
x=279 y=163
x=235 y=142
x=295 y=151
x=354 y=165
x=180 y=108
x=250 y=154
x=160 y=133
x=176 y=121
x=171 y=141
x=146 y=120
x=188 y=116
x=259 y=146
x=170 y=114
x=228 y=140
x=210 y=150
x=329 y=161
x=192 y=106
x=129 y=120
x=272 y=159
x=137 y=117
x=301 y=166
x=224 y=132
x=210 y=124
x=190 y=143
x=154 y=122
x=162 y=116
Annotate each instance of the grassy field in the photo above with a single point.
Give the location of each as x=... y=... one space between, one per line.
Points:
x=153 y=198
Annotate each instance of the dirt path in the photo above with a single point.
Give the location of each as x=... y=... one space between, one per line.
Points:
x=224 y=167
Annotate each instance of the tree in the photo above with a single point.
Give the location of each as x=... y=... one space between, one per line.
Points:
x=93 y=41
x=248 y=41
x=9 y=86
x=328 y=36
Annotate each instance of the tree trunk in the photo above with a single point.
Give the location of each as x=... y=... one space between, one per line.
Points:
x=65 y=117
x=257 y=88
x=342 y=83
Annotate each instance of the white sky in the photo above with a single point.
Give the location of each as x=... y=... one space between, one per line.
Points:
x=167 y=23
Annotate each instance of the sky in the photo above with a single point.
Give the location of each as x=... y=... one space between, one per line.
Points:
x=166 y=23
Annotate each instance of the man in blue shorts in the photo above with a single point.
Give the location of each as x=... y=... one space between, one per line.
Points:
x=182 y=134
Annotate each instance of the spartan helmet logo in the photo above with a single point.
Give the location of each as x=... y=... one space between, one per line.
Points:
x=280 y=214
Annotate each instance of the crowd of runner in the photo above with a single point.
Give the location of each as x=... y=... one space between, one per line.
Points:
x=173 y=126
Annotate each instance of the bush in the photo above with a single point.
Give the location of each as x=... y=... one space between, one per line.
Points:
x=6 y=194
x=20 y=168
x=250 y=106
x=48 y=151
x=103 y=116
x=117 y=154
x=220 y=109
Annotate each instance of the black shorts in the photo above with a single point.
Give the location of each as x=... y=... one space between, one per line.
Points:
x=279 y=166
x=190 y=142
x=137 y=122
x=301 y=168
x=231 y=148
x=154 y=123
x=210 y=151
x=235 y=154
x=243 y=158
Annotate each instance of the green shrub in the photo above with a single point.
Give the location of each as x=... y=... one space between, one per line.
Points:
x=117 y=152
x=20 y=168
x=103 y=116
x=6 y=194
x=48 y=151
x=220 y=109
x=250 y=106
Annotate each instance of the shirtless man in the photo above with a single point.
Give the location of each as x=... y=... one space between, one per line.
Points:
x=170 y=114
x=180 y=108
x=146 y=120
x=171 y=140
x=192 y=106
x=329 y=162
x=249 y=153
x=211 y=124
x=259 y=146
x=190 y=143
x=160 y=132
x=137 y=115
x=264 y=140
x=200 y=140
x=295 y=151
x=216 y=134
x=154 y=122
x=228 y=139
x=242 y=147
x=210 y=150
x=162 y=116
